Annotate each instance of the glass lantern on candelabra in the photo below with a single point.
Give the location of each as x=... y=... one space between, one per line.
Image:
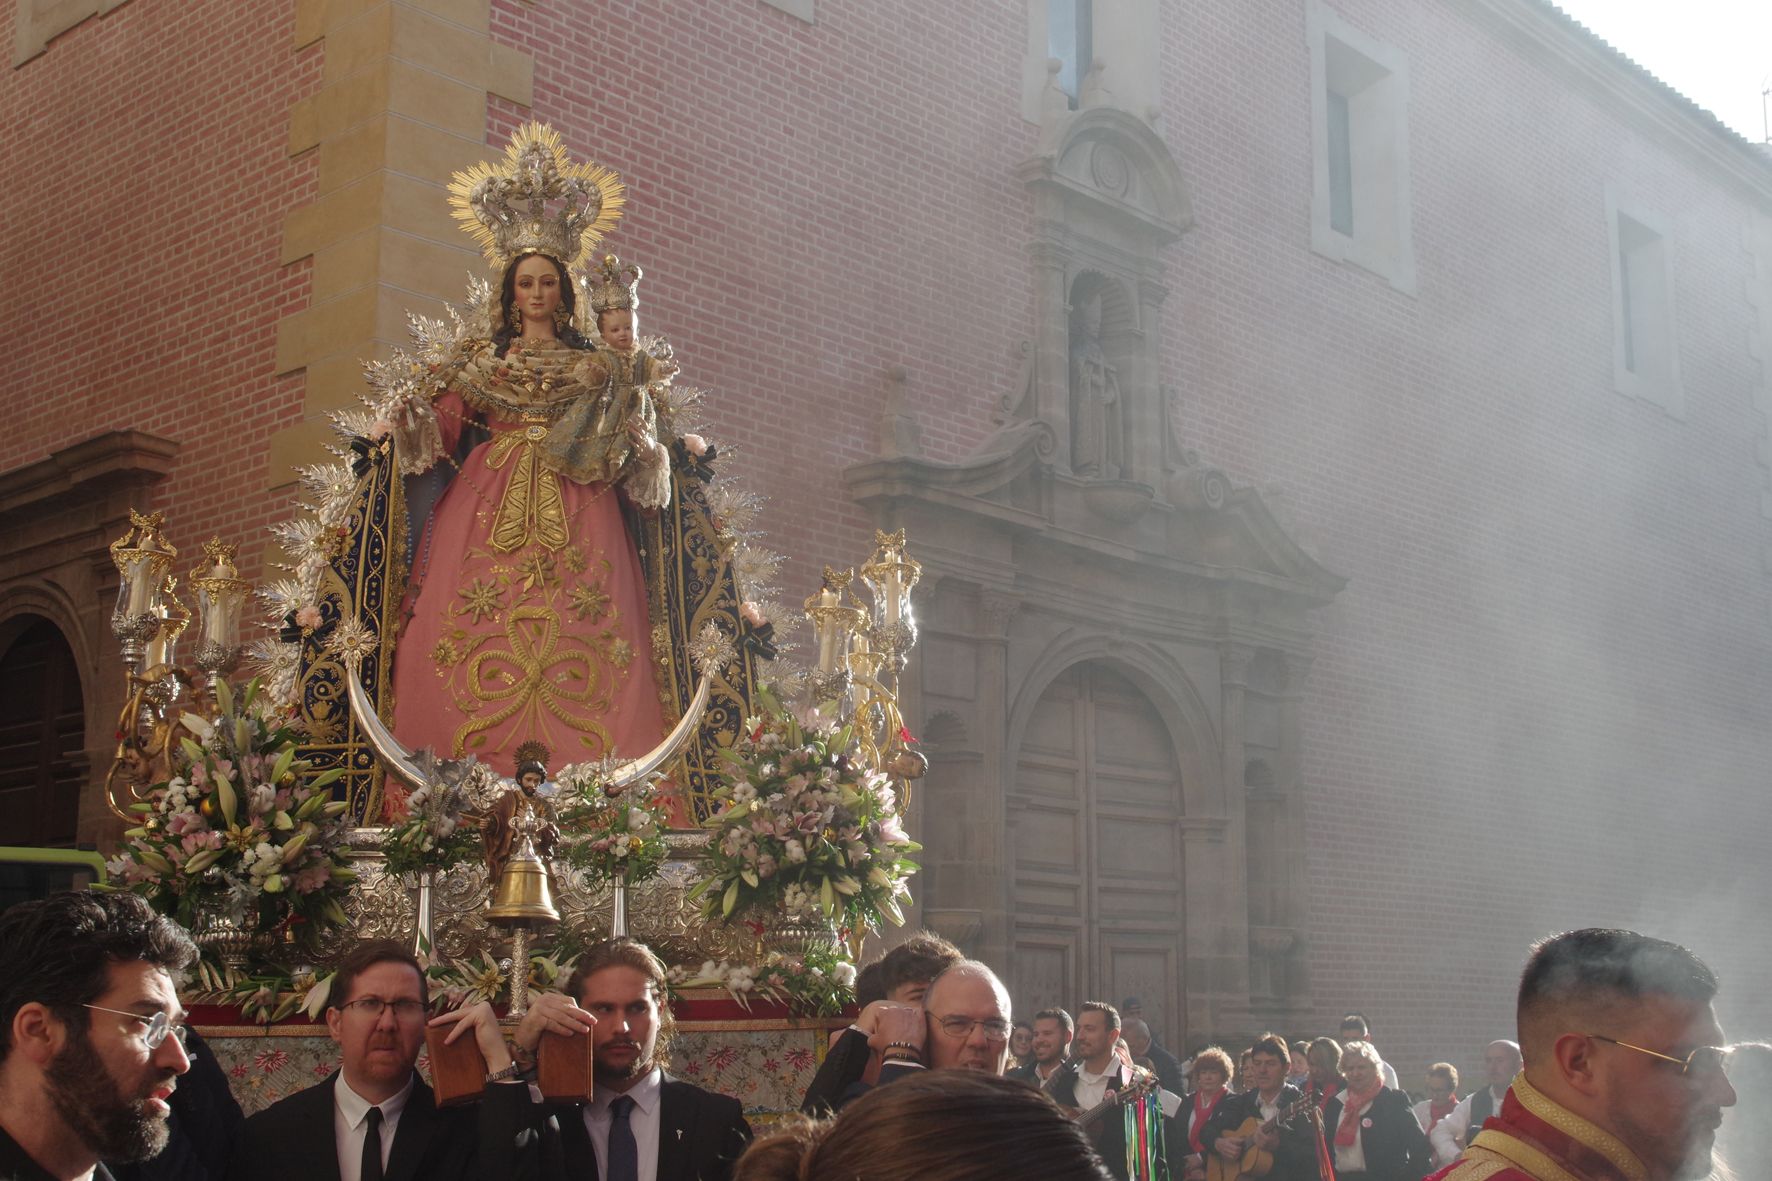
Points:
x=836 y=625
x=142 y=557
x=221 y=596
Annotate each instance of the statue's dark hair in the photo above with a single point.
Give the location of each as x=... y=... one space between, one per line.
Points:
x=59 y=951
x=502 y=335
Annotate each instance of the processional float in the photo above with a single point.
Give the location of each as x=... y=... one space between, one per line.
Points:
x=287 y=817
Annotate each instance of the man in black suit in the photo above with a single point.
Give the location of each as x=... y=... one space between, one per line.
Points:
x=91 y=1033
x=641 y=1124
x=1268 y=1098
x=374 y=1119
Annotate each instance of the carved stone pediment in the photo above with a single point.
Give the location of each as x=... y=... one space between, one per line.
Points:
x=1113 y=161
x=1199 y=528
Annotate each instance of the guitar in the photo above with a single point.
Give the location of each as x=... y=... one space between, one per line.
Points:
x=1142 y=1084
x=1255 y=1161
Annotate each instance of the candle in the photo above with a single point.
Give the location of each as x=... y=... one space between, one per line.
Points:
x=827 y=642
x=159 y=649
x=139 y=582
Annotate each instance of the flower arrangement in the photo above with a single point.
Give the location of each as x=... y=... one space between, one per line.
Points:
x=804 y=830
x=238 y=830
x=610 y=833
x=486 y=978
x=425 y=830
x=818 y=982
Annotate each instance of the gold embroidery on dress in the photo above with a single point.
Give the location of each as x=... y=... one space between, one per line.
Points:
x=534 y=666
x=532 y=508
x=481 y=599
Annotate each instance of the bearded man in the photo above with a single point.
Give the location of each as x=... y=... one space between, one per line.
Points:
x=91 y=1034
x=640 y=1124
x=1624 y=1067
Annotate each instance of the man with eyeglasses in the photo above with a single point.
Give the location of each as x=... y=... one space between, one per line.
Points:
x=91 y=1034
x=963 y=1025
x=1624 y=1067
x=373 y=1119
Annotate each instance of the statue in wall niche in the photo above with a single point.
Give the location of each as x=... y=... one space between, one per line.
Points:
x=1095 y=397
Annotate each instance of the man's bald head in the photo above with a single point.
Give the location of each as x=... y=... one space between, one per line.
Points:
x=1597 y=980
x=968 y=990
x=1137 y=1035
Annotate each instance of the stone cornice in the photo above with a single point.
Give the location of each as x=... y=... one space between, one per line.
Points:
x=84 y=472
x=1655 y=105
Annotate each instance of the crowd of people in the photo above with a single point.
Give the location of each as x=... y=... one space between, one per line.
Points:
x=1620 y=1072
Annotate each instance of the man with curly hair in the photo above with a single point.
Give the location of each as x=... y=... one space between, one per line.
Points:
x=91 y=1033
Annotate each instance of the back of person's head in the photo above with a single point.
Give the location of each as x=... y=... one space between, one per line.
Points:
x=365 y=956
x=932 y=1126
x=918 y=960
x=1356 y=1024
x=58 y=952
x=868 y=986
x=1594 y=978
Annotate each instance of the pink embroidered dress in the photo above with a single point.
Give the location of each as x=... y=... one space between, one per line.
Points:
x=526 y=610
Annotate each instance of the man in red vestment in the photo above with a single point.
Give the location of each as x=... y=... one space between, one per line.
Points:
x=1623 y=1077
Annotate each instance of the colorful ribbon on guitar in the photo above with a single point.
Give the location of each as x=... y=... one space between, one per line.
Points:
x=1146 y=1159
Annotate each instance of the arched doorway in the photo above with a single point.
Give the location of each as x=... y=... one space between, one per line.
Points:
x=42 y=736
x=1095 y=846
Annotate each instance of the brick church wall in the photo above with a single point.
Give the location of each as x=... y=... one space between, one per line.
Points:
x=1538 y=704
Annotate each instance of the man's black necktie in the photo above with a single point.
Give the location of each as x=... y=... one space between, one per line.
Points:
x=371 y=1170
x=624 y=1155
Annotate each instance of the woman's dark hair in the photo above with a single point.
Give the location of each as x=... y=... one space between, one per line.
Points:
x=59 y=952
x=502 y=335
x=938 y=1125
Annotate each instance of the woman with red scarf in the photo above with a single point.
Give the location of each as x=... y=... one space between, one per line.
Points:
x=1442 y=1097
x=1372 y=1132
x=1211 y=1076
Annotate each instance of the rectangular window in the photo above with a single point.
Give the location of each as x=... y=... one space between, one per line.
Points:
x=1645 y=354
x=1070 y=37
x=1360 y=190
x=1341 y=168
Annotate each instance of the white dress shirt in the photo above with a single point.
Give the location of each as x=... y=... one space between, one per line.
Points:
x=1451 y=1131
x=1092 y=1088
x=350 y=1124
x=643 y=1121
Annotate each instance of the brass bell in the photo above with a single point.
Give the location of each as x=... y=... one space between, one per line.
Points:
x=523 y=893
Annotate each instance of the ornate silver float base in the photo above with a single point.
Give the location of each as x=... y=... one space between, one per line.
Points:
x=798 y=935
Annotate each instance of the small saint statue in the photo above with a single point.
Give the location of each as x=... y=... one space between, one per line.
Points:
x=522 y=809
x=1095 y=397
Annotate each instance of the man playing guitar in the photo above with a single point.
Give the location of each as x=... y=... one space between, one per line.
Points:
x=1270 y=1116
x=1099 y=1069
